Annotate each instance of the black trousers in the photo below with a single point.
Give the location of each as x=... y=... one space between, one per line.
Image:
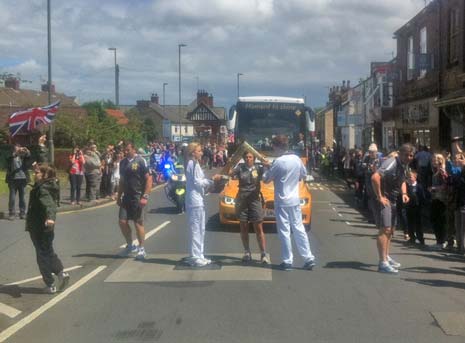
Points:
x=47 y=259
x=415 y=229
x=439 y=220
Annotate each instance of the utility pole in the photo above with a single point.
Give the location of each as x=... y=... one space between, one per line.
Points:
x=179 y=106
x=238 y=75
x=116 y=78
x=49 y=40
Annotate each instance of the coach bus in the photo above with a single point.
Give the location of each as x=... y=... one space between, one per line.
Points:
x=257 y=120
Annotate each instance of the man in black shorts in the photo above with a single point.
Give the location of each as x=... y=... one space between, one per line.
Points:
x=133 y=193
x=388 y=182
x=249 y=207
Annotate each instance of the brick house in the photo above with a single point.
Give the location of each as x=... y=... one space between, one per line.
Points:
x=417 y=79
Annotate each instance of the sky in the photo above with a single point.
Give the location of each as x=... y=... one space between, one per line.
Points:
x=282 y=47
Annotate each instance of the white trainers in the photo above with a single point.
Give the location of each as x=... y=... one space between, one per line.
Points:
x=50 y=289
x=264 y=259
x=385 y=267
x=129 y=251
x=141 y=254
x=63 y=280
x=393 y=263
x=200 y=262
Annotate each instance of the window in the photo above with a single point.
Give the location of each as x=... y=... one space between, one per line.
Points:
x=454 y=34
x=185 y=129
x=175 y=129
x=410 y=59
x=423 y=48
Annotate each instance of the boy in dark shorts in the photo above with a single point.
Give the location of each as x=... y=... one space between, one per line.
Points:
x=133 y=194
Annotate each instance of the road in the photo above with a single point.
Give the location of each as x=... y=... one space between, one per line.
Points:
x=344 y=299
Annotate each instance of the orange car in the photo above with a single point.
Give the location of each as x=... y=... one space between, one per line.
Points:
x=227 y=203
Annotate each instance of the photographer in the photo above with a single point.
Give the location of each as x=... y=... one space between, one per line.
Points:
x=76 y=174
x=17 y=177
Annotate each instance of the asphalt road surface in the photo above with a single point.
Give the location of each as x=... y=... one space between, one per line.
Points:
x=344 y=299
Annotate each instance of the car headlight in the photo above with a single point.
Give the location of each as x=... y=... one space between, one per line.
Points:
x=174 y=177
x=183 y=177
x=303 y=201
x=229 y=200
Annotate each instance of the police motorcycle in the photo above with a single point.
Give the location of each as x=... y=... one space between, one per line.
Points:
x=154 y=167
x=175 y=188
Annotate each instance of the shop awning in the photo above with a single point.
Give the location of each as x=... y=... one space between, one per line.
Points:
x=451 y=99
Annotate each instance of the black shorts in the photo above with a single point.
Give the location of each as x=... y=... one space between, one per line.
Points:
x=249 y=208
x=131 y=209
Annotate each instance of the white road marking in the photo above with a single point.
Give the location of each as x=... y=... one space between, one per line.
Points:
x=8 y=310
x=39 y=277
x=150 y=233
x=334 y=209
x=340 y=215
x=103 y=205
x=7 y=333
x=348 y=223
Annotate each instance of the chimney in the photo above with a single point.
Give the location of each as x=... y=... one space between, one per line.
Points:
x=155 y=99
x=202 y=97
x=348 y=84
x=44 y=87
x=210 y=100
x=12 y=83
x=343 y=85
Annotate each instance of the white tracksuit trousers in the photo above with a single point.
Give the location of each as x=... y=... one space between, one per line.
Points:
x=196 y=223
x=287 y=219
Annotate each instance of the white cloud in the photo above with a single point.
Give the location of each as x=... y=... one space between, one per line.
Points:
x=287 y=47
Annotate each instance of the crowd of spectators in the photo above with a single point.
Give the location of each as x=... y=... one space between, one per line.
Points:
x=435 y=186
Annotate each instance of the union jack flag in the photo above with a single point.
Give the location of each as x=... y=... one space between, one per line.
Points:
x=30 y=119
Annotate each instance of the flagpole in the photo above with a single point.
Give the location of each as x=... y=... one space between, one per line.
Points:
x=49 y=39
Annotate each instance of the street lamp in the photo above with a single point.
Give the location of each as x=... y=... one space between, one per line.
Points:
x=116 y=78
x=238 y=74
x=179 y=107
x=49 y=44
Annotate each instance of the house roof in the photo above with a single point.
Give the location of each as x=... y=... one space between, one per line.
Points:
x=120 y=117
x=174 y=113
x=10 y=97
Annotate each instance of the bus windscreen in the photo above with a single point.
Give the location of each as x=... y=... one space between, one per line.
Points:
x=257 y=123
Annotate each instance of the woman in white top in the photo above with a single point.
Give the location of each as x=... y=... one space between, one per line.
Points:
x=196 y=187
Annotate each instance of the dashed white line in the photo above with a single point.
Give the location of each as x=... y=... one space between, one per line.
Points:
x=8 y=310
x=150 y=233
x=4 y=335
x=348 y=223
x=38 y=277
x=340 y=215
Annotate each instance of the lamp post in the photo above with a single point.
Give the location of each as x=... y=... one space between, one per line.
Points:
x=49 y=50
x=164 y=116
x=116 y=79
x=179 y=106
x=238 y=75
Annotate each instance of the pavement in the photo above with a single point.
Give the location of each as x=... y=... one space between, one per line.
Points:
x=115 y=299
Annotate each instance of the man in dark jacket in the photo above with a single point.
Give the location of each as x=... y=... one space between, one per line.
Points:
x=17 y=177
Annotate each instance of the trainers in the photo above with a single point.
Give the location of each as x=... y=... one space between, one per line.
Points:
x=309 y=265
x=285 y=266
x=11 y=217
x=130 y=250
x=264 y=259
x=141 y=254
x=22 y=216
x=200 y=262
x=393 y=263
x=63 y=280
x=50 y=289
x=385 y=267
x=247 y=257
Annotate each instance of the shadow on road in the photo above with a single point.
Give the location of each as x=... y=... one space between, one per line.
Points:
x=351 y=265
x=17 y=291
x=112 y=256
x=350 y=234
x=433 y=270
x=213 y=224
x=164 y=210
x=438 y=283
